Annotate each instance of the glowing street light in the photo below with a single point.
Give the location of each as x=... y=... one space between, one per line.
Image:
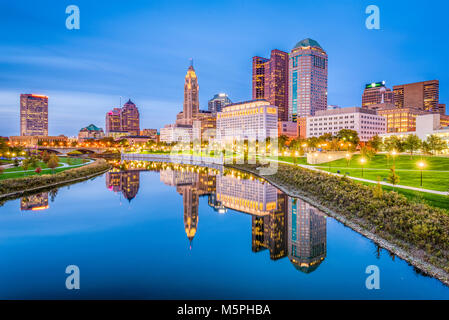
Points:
x=348 y=158
x=362 y=161
x=421 y=166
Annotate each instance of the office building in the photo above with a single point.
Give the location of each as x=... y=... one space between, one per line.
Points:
x=366 y=122
x=426 y=125
x=219 y=101
x=123 y=121
x=419 y=95
x=33 y=115
x=254 y=120
x=307 y=80
x=288 y=128
x=90 y=132
x=191 y=104
x=270 y=81
x=400 y=119
x=376 y=93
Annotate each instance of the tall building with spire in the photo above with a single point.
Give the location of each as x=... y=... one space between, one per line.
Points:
x=307 y=80
x=191 y=98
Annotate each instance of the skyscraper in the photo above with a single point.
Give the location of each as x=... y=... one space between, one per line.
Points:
x=421 y=95
x=270 y=81
x=125 y=119
x=191 y=98
x=376 y=93
x=130 y=118
x=219 y=101
x=307 y=80
x=33 y=115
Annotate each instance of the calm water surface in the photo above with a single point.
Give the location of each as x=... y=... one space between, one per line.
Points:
x=182 y=232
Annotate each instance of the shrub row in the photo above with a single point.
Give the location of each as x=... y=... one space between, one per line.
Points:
x=390 y=214
x=25 y=183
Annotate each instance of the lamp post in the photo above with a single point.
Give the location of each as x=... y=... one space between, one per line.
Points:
x=393 y=154
x=362 y=161
x=348 y=158
x=421 y=165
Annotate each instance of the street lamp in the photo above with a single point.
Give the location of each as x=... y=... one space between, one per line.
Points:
x=421 y=165
x=348 y=158
x=393 y=154
x=362 y=161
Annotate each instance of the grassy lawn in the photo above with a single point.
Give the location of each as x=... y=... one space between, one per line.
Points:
x=17 y=172
x=435 y=174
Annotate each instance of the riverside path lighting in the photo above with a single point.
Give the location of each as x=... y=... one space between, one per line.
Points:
x=362 y=161
x=348 y=158
x=421 y=166
x=393 y=154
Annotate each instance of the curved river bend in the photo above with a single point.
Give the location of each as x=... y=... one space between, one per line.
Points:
x=162 y=231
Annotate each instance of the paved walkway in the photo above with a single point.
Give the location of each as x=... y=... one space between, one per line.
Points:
x=365 y=180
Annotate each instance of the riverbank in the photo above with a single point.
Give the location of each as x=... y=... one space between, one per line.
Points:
x=414 y=232
x=18 y=186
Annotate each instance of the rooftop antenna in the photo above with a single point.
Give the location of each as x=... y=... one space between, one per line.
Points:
x=120 y=101
x=191 y=62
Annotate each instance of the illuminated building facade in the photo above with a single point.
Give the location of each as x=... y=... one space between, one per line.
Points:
x=33 y=115
x=306 y=235
x=219 y=101
x=191 y=106
x=123 y=121
x=426 y=125
x=253 y=120
x=307 y=80
x=400 y=119
x=90 y=132
x=270 y=81
x=366 y=122
x=288 y=128
x=419 y=95
x=376 y=93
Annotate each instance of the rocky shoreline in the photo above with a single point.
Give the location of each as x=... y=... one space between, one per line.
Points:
x=396 y=249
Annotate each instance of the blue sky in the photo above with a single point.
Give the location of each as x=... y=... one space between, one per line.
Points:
x=140 y=50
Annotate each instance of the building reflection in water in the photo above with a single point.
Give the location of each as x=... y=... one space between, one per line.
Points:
x=127 y=182
x=34 y=202
x=306 y=235
x=191 y=183
x=282 y=225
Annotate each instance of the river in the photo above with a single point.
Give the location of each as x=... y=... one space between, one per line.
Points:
x=164 y=231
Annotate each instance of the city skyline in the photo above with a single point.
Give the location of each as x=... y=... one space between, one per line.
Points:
x=155 y=85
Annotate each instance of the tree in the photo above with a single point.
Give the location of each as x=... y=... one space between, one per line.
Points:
x=375 y=143
x=25 y=165
x=45 y=156
x=435 y=143
x=393 y=143
x=53 y=162
x=348 y=135
x=1 y=170
x=378 y=192
x=366 y=152
x=3 y=146
x=412 y=143
x=282 y=141
x=393 y=178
